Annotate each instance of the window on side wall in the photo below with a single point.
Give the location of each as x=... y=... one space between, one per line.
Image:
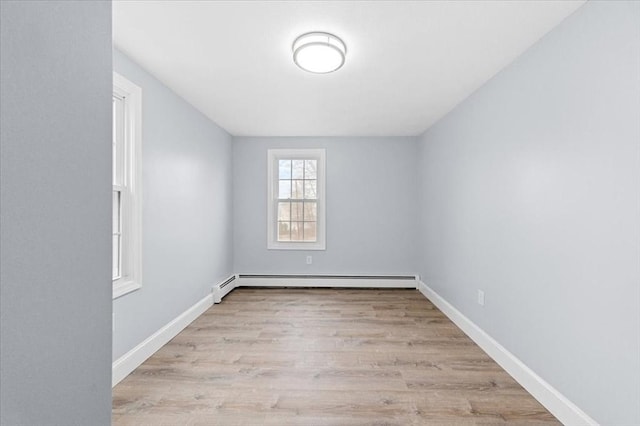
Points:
x=127 y=187
x=296 y=199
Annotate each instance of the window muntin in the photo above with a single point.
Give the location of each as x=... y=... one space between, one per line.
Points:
x=296 y=199
x=126 y=181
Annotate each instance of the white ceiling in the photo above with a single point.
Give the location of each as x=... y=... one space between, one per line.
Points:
x=408 y=62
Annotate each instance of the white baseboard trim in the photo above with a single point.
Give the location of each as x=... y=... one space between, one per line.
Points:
x=564 y=410
x=342 y=281
x=128 y=362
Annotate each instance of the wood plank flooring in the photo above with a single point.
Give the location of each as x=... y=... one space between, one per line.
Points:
x=323 y=357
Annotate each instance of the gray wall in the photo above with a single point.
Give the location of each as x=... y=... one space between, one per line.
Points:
x=371 y=190
x=529 y=191
x=186 y=211
x=55 y=198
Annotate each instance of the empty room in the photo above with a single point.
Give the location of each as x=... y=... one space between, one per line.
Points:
x=320 y=212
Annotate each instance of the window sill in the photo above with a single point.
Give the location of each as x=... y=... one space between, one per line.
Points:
x=120 y=289
x=296 y=246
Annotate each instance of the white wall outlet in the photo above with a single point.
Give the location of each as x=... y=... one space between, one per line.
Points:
x=480 y=297
x=309 y=260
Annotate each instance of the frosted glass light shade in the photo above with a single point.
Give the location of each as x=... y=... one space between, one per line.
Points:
x=318 y=52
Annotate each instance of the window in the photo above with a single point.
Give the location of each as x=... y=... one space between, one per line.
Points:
x=296 y=210
x=127 y=187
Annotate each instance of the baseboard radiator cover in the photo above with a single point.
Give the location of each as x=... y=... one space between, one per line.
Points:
x=344 y=281
x=222 y=289
x=560 y=406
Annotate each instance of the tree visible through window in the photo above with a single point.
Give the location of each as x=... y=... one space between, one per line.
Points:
x=296 y=200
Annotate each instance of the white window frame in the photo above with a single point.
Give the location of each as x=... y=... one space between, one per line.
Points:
x=273 y=156
x=131 y=188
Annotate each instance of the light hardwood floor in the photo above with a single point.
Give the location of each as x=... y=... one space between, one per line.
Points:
x=323 y=357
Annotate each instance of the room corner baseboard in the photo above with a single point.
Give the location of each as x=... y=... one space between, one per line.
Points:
x=564 y=410
x=128 y=362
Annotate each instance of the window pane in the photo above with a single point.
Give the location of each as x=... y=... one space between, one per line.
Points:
x=284 y=211
x=310 y=213
x=298 y=169
x=116 y=257
x=116 y=240
x=284 y=169
x=296 y=231
x=297 y=211
x=310 y=169
x=114 y=157
x=310 y=231
x=310 y=189
x=118 y=141
x=284 y=189
x=115 y=204
x=283 y=231
x=297 y=189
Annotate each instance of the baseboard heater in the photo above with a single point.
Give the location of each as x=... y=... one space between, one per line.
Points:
x=330 y=277
x=310 y=281
x=221 y=290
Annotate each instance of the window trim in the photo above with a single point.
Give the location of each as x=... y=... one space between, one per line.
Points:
x=131 y=214
x=273 y=155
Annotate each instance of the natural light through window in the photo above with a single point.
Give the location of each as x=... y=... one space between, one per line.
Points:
x=296 y=202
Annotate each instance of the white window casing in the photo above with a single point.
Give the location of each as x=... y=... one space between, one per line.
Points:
x=127 y=187
x=296 y=199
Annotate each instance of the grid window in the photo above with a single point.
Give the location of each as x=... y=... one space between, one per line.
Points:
x=118 y=149
x=296 y=204
x=126 y=239
x=297 y=200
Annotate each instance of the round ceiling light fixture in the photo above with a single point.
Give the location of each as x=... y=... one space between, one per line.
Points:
x=319 y=52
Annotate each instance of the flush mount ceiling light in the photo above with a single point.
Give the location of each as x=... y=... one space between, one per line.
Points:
x=319 y=52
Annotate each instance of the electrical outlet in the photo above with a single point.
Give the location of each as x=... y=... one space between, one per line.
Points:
x=309 y=260
x=480 y=297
